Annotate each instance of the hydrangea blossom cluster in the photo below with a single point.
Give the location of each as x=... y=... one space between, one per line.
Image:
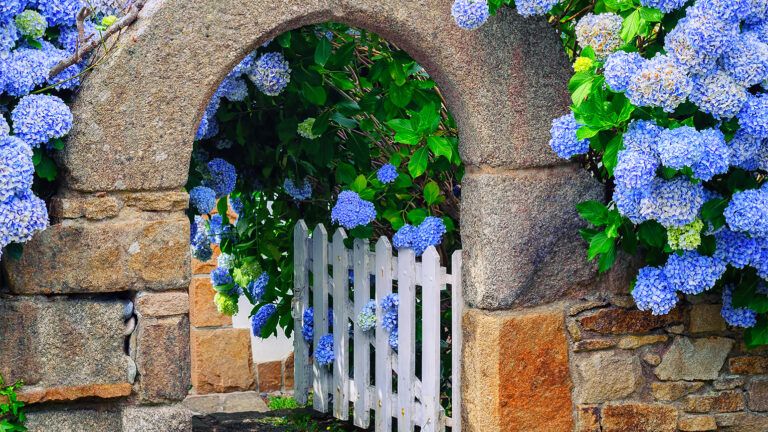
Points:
x=366 y=319
x=601 y=32
x=304 y=129
x=324 y=355
x=528 y=8
x=389 y=307
x=564 y=141
x=226 y=304
x=257 y=287
x=308 y=324
x=428 y=233
x=387 y=173
x=470 y=14
x=203 y=199
x=259 y=319
x=199 y=242
x=298 y=193
x=271 y=73
x=223 y=177
x=351 y=211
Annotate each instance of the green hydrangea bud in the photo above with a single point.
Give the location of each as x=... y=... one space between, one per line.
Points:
x=108 y=20
x=687 y=237
x=583 y=64
x=31 y=24
x=226 y=305
x=305 y=129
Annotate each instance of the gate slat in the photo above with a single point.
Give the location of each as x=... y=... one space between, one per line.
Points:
x=457 y=340
x=430 y=359
x=383 y=351
x=300 y=304
x=406 y=317
x=362 y=341
x=320 y=305
x=340 y=326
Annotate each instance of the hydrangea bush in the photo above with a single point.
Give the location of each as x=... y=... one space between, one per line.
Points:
x=670 y=112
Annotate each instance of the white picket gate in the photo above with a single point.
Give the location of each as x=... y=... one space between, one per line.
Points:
x=417 y=401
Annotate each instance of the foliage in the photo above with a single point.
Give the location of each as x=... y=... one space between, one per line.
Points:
x=282 y=402
x=670 y=112
x=12 y=416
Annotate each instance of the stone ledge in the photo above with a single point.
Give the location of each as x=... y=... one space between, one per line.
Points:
x=59 y=394
x=162 y=304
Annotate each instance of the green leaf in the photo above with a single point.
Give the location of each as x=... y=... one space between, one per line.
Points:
x=651 y=14
x=284 y=39
x=586 y=132
x=45 y=168
x=600 y=244
x=631 y=26
x=401 y=95
x=404 y=132
x=652 y=233
x=417 y=216
x=432 y=193
x=418 y=163
x=396 y=72
x=440 y=146
x=607 y=259
x=611 y=155
x=322 y=51
x=359 y=184
x=314 y=94
x=57 y=144
x=593 y=212
x=580 y=86
x=345 y=173
x=757 y=335
x=713 y=212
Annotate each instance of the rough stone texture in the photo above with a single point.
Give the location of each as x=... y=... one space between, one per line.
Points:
x=523 y=246
x=94 y=207
x=639 y=418
x=593 y=345
x=515 y=386
x=270 y=376
x=674 y=390
x=652 y=359
x=748 y=365
x=621 y=321
x=288 y=373
x=742 y=422
x=74 y=420
x=160 y=418
x=697 y=423
x=203 y=312
x=163 y=358
x=221 y=360
x=162 y=304
x=728 y=383
x=694 y=359
x=234 y=402
x=634 y=342
x=588 y=419
x=54 y=345
x=757 y=396
x=157 y=201
x=604 y=376
x=71 y=393
x=706 y=318
x=139 y=137
x=115 y=255
x=728 y=401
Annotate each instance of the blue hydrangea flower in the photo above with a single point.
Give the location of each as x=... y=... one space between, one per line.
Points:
x=215 y=228
x=628 y=203
x=220 y=276
x=256 y=288
x=404 y=237
x=40 y=118
x=748 y=212
x=759 y=28
x=16 y=168
x=673 y=202
x=203 y=199
x=389 y=306
x=21 y=216
x=260 y=318
x=304 y=192
x=715 y=158
x=430 y=233
x=681 y=147
x=324 y=352
x=602 y=32
x=68 y=36
x=5 y=129
x=223 y=177
x=736 y=249
x=366 y=319
x=245 y=66
x=744 y=149
x=642 y=135
x=8 y=37
x=199 y=242
x=760 y=260
x=209 y=126
x=271 y=73
x=470 y=14
x=236 y=204
x=11 y=8
x=746 y=60
x=665 y=6
x=24 y=70
x=620 y=67
x=529 y=8
x=718 y=94
x=691 y=273
x=352 y=211
x=233 y=88
x=698 y=41
x=727 y=10
x=660 y=82
x=226 y=261
x=393 y=342
x=308 y=324
x=58 y=12
x=737 y=317
x=653 y=292
x=564 y=141
x=753 y=117
x=635 y=169
x=387 y=173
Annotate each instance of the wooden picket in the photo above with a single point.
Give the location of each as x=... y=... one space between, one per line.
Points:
x=416 y=402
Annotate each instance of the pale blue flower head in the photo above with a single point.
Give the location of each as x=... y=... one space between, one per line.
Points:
x=737 y=317
x=387 y=173
x=665 y=6
x=673 y=203
x=21 y=216
x=635 y=169
x=692 y=273
x=748 y=212
x=223 y=177
x=203 y=199
x=736 y=249
x=298 y=193
x=660 y=82
x=715 y=158
x=271 y=73
x=16 y=168
x=529 y=8
x=753 y=117
x=602 y=32
x=746 y=60
x=620 y=67
x=259 y=319
x=643 y=136
x=470 y=14
x=681 y=147
x=324 y=355
x=40 y=118
x=351 y=211
x=718 y=94
x=653 y=292
x=564 y=141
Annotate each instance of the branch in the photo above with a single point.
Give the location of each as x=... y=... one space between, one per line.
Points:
x=125 y=21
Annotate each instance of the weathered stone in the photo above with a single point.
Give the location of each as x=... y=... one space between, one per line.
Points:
x=574 y=330
x=162 y=304
x=203 y=312
x=206 y=267
x=676 y=329
x=74 y=420
x=221 y=360
x=634 y=342
x=578 y=308
x=652 y=358
x=697 y=423
x=157 y=201
x=523 y=247
x=674 y=390
x=119 y=255
x=162 y=357
x=757 y=396
x=160 y=418
x=728 y=383
x=637 y=417
x=694 y=359
x=73 y=347
x=288 y=373
x=516 y=386
x=205 y=404
x=742 y=422
x=270 y=376
x=69 y=208
x=605 y=376
x=621 y=321
x=101 y=207
x=588 y=418
x=243 y=402
x=593 y=345
x=62 y=394
x=748 y=365
x=727 y=401
x=706 y=318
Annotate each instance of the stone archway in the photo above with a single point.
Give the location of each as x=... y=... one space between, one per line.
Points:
x=119 y=216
